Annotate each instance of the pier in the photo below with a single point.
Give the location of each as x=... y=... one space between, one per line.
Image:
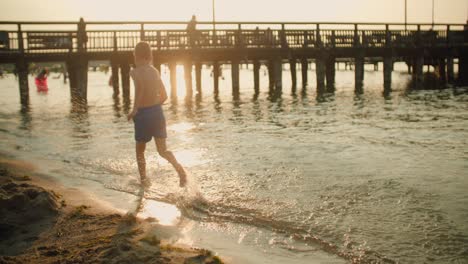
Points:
x=257 y=43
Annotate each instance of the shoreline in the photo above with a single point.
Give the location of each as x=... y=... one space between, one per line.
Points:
x=42 y=221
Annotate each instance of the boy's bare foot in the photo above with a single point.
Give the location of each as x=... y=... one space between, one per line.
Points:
x=182 y=175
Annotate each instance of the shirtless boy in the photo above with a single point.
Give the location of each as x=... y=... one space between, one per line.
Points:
x=147 y=113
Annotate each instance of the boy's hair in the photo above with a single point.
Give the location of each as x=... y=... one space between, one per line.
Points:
x=143 y=51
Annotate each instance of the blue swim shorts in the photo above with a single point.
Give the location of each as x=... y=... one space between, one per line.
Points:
x=149 y=122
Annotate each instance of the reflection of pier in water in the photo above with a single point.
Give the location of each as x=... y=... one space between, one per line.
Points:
x=235 y=43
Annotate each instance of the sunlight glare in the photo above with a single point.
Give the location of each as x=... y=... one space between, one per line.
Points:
x=166 y=214
x=182 y=127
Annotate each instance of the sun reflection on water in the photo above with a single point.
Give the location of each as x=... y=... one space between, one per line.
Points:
x=182 y=127
x=166 y=214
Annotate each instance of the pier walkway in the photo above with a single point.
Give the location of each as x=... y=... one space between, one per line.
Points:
x=258 y=43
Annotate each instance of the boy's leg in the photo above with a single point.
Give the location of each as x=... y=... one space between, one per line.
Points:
x=140 y=156
x=166 y=154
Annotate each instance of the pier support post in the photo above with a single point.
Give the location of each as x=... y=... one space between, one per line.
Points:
x=256 y=72
x=216 y=78
x=450 y=70
x=115 y=76
x=388 y=67
x=173 y=79
x=271 y=77
x=78 y=75
x=418 y=71
x=442 y=72
x=304 y=69
x=198 y=77
x=22 y=70
x=188 y=79
x=330 y=74
x=71 y=68
x=235 y=78
x=463 y=68
x=292 y=67
x=278 y=68
x=125 y=76
x=320 y=69
x=359 y=74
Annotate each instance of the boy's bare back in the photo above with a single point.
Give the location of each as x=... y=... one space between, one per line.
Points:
x=149 y=88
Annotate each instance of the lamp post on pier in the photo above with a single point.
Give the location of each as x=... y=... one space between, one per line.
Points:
x=214 y=18
x=432 y=13
x=406 y=13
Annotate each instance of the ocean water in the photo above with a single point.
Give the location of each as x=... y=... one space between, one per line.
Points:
x=362 y=179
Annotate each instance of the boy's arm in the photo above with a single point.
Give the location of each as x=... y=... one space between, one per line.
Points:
x=137 y=96
x=162 y=94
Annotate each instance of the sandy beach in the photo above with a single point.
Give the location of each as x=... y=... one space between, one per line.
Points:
x=43 y=222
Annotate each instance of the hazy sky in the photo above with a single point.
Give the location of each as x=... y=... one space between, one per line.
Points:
x=446 y=11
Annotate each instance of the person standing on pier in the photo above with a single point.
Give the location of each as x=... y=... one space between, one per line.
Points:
x=81 y=35
x=147 y=114
x=192 y=30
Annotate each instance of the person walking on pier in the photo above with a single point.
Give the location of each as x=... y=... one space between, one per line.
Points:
x=81 y=35
x=192 y=30
x=147 y=113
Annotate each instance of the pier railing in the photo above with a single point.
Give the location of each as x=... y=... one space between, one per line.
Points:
x=63 y=37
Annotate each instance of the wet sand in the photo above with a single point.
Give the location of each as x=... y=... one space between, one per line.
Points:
x=43 y=222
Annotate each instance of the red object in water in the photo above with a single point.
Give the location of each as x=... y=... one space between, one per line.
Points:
x=41 y=84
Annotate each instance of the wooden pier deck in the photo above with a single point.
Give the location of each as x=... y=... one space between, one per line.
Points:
x=269 y=43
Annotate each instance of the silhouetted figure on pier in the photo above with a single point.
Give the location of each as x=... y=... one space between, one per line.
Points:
x=81 y=35
x=256 y=36
x=269 y=37
x=192 y=30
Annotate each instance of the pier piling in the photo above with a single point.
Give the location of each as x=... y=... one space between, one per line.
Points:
x=387 y=68
x=115 y=76
x=330 y=74
x=125 y=76
x=304 y=69
x=359 y=74
x=292 y=67
x=271 y=76
x=418 y=71
x=78 y=75
x=256 y=72
x=22 y=70
x=442 y=71
x=278 y=73
x=235 y=78
x=198 y=77
x=320 y=68
x=173 y=79
x=188 y=79
x=463 y=69
x=216 y=72
x=450 y=70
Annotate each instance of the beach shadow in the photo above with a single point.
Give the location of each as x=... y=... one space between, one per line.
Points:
x=27 y=211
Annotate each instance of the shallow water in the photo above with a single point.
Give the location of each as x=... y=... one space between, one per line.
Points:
x=359 y=179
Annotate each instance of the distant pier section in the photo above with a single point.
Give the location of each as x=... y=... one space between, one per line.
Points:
x=257 y=43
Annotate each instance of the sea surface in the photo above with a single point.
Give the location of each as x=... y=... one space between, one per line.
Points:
x=362 y=179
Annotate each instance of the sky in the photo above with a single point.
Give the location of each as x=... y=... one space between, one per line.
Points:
x=388 y=11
